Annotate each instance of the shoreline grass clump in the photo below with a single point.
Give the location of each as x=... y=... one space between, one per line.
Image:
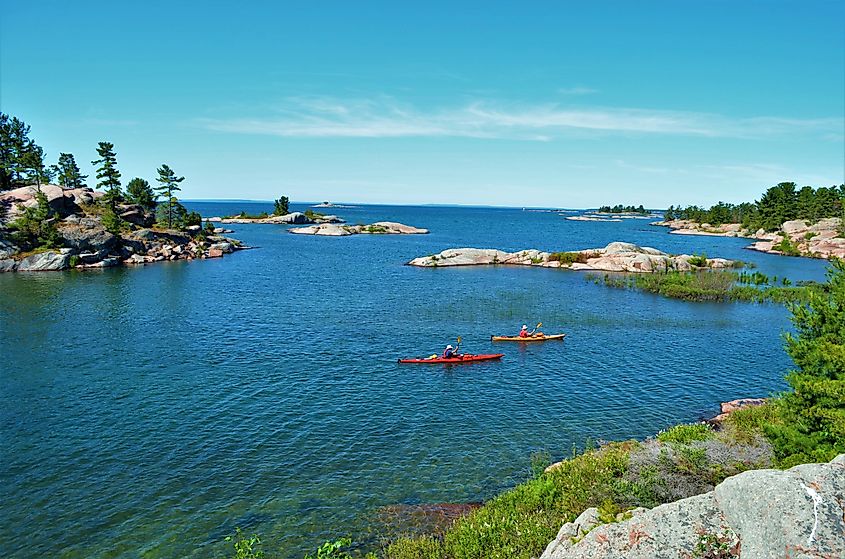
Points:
x=566 y=258
x=711 y=285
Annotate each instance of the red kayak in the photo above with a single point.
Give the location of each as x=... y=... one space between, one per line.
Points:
x=465 y=358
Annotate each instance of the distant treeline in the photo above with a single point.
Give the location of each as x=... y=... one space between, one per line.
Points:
x=619 y=208
x=780 y=203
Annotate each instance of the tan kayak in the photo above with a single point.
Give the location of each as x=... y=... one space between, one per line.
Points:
x=540 y=338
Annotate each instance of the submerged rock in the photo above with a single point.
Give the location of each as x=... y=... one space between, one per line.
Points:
x=765 y=513
x=615 y=257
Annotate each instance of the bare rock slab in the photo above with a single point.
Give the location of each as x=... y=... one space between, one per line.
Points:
x=615 y=257
x=765 y=514
x=377 y=228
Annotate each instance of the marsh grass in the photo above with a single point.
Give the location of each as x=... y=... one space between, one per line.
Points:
x=711 y=285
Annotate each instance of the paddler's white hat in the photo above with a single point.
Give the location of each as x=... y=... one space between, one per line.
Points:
x=525 y=327
x=449 y=346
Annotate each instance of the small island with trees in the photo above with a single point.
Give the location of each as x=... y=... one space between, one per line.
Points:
x=620 y=209
x=786 y=220
x=47 y=226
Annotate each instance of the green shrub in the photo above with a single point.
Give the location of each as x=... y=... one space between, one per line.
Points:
x=787 y=247
x=566 y=258
x=686 y=434
x=698 y=260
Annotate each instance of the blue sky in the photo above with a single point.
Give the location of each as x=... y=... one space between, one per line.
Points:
x=504 y=103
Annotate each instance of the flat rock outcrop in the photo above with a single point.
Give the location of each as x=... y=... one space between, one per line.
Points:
x=821 y=239
x=615 y=257
x=295 y=218
x=378 y=228
x=64 y=202
x=797 y=513
x=687 y=227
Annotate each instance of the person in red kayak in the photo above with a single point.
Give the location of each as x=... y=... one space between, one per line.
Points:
x=449 y=352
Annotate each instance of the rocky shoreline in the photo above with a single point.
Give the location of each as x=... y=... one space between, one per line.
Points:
x=821 y=239
x=615 y=257
x=377 y=228
x=86 y=243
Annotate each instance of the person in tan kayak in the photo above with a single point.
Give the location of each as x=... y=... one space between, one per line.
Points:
x=524 y=333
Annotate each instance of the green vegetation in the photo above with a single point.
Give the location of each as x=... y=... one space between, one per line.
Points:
x=374 y=229
x=281 y=206
x=787 y=247
x=814 y=412
x=109 y=178
x=68 y=172
x=312 y=215
x=171 y=208
x=699 y=260
x=686 y=433
x=245 y=215
x=709 y=285
x=139 y=191
x=619 y=209
x=780 y=203
x=108 y=174
x=566 y=258
x=36 y=226
x=21 y=159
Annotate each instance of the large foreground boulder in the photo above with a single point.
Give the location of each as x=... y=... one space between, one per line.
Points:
x=759 y=514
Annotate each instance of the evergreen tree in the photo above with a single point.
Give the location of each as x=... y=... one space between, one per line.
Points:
x=281 y=206
x=15 y=148
x=36 y=226
x=778 y=204
x=169 y=184
x=68 y=172
x=815 y=409
x=36 y=171
x=138 y=191
x=108 y=174
x=669 y=214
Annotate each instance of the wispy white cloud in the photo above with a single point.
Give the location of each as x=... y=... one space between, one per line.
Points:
x=578 y=90
x=323 y=117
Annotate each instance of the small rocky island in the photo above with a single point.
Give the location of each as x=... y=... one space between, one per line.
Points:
x=73 y=225
x=822 y=239
x=615 y=257
x=293 y=218
x=377 y=228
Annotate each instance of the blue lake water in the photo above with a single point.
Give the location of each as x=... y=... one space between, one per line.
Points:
x=147 y=412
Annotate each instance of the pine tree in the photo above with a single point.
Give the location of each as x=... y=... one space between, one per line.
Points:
x=815 y=409
x=138 y=191
x=108 y=174
x=15 y=146
x=281 y=206
x=68 y=172
x=169 y=184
